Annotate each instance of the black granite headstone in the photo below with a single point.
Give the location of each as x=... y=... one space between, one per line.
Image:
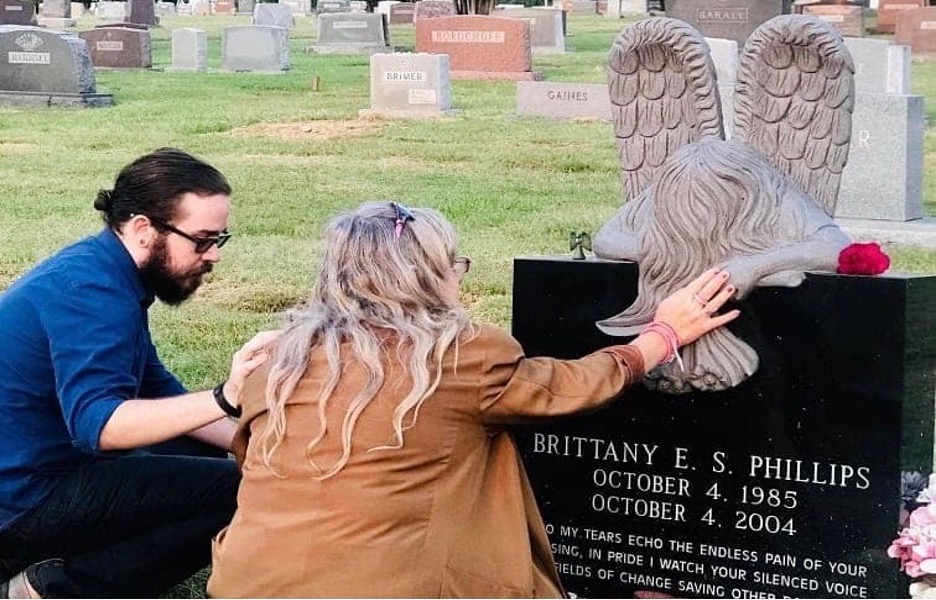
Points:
x=788 y=485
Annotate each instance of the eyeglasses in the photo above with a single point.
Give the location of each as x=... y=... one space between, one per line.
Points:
x=402 y=215
x=461 y=265
x=202 y=244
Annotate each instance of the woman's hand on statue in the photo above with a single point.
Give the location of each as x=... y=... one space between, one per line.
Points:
x=692 y=311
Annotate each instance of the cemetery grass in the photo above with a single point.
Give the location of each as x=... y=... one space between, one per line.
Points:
x=513 y=186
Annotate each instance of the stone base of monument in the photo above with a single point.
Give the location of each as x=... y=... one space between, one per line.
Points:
x=407 y=114
x=56 y=22
x=499 y=75
x=787 y=485
x=54 y=99
x=351 y=49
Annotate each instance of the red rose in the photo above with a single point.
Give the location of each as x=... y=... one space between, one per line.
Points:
x=862 y=259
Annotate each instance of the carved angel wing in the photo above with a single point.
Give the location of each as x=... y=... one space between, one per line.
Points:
x=794 y=98
x=663 y=95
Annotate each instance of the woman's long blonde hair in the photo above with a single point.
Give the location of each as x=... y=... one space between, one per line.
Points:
x=373 y=280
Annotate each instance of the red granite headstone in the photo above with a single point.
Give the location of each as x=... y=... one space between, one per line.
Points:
x=119 y=47
x=479 y=47
x=225 y=7
x=917 y=28
x=847 y=18
x=888 y=10
x=402 y=13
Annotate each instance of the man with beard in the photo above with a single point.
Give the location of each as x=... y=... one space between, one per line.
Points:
x=106 y=489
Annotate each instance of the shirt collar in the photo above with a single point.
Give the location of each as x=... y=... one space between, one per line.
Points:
x=114 y=248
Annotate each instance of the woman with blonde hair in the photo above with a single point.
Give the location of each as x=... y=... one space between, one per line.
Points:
x=374 y=446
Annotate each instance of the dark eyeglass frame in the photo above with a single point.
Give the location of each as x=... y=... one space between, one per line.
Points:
x=202 y=244
x=461 y=260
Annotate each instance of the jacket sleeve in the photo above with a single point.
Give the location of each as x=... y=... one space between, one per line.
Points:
x=515 y=388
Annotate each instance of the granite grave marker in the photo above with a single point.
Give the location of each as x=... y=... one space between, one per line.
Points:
x=546 y=30
x=428 y=9
x=480 y=47
x=729 y=19
x=409 y=85
x=119 y=47
x=889 y=10
x=255 y=48
x=277 y=15
x=917 y=29
x=189 y=49
x=351 y=33
x=17 y=12
x=40 y=67
x=563 y=100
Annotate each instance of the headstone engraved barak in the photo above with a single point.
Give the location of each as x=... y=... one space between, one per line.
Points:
x=783 y=484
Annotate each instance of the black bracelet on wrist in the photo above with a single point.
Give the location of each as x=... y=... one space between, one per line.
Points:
x=233 y=411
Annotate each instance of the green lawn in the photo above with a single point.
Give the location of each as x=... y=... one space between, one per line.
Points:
x=513 y=186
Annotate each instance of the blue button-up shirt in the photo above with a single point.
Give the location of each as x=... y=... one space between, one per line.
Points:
x=74 y=344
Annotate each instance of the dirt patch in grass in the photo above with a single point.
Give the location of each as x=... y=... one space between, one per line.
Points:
x=310 y=130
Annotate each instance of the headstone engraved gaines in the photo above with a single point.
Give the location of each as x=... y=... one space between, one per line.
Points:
x=351 y=33
x=883 y=177
x=428 y=9
x=546 y=31
x=847 y=18
x=889 y=10
x=39 y=67
x=787 y=486
x=480 y=47
x=917 y=29
x=729 y=19
x=255 y=48
x=142 y=12
x=563 y=100
x=17 y=12
x=277 y=15
x=189 y=49
x=410 y=85
x=119 y=47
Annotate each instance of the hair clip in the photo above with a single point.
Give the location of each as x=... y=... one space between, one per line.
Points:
x=403 y=215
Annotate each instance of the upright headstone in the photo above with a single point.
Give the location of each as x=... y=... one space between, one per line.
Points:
x=724 y=55
x=409 y=85
x=78 y=10
x=563 y=100
x=332 y=6
x=358 y=6
x=246 y=7
x=351 y=33
x=112 y=11
x=299 y=7
x=165 y=8
x=883 y=179
x=917 y=29
x=224 y=7
x=383 y=6
x=480 y=47
x=619 y=8
x=17 y=12
x=787 y=486
x=401 y=13
x=847 y=18
x=729 y=19
x=40 y=67
x=277 y=15
x=429 y=9
x=57 y=14
x=119 y=47
x=546 y=32
x=189 y=49
x=889 y=10
x=255 y=48
x=142 y=12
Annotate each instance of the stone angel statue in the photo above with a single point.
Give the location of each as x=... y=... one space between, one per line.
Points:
x=760 y=205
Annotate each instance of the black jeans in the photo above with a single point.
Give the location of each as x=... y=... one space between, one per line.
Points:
x=127 y=526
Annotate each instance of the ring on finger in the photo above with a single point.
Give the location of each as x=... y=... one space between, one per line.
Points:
x=699 y=299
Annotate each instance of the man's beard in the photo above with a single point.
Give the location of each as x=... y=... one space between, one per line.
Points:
x=172 y=287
